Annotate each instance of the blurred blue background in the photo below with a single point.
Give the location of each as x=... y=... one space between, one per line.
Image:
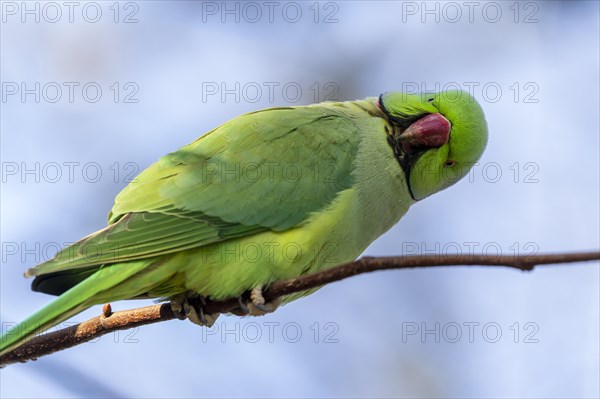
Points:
x=167 y=72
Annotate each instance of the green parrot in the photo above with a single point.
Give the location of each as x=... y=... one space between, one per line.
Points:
x=269 y=195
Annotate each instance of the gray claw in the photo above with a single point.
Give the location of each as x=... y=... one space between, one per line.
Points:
x=257 y=305
x=264 y=308
x=243 y=306
x=183 y=309
x=177 y=307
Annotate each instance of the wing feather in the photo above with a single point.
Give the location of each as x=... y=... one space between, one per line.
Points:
x=264 y=170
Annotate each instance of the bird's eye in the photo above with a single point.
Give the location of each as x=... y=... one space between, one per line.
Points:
x=449 y=163
x=430 y=100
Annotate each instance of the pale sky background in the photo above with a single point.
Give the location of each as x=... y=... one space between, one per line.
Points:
x=534 y=66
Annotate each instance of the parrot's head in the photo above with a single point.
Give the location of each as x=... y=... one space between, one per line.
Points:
x=436 y=137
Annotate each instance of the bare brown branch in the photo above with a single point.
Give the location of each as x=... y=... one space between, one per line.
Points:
x=108 y=322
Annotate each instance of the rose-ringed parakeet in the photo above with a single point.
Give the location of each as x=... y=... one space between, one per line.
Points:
x=269 y=195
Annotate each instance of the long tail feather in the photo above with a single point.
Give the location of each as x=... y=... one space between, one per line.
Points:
x=97 y=288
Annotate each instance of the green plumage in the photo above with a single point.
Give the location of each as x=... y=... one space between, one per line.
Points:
x=266 y=196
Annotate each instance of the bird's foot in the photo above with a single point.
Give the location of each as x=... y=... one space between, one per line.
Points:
x=194 y=312
x=257 y=306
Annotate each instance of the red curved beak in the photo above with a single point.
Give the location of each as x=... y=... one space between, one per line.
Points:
x=432 y=130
